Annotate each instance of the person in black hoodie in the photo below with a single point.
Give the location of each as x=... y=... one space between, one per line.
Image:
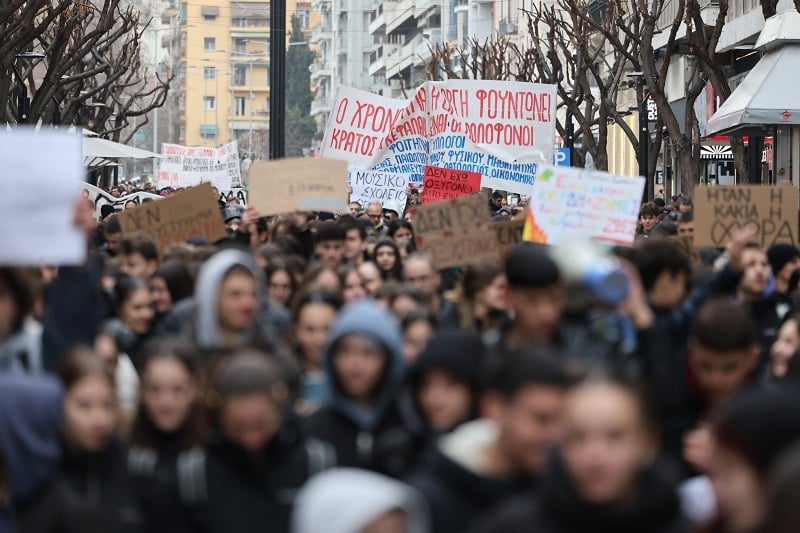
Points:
x=363 y=422
x=34 y=499
x=257 y=459
x=94 y=461
x=169 y=421
x=605 y=478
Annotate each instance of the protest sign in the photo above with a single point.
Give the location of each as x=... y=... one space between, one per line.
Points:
x=499 y=129
x=456 y=232
x=300 y=184
x=377 y=186
x=720 y=211
x=175 y=219
x=508 y=233
x=239 y=193
x=40 y=175
x=444 y=183
x=184 y=166
x=101 y=198
x=573 y=202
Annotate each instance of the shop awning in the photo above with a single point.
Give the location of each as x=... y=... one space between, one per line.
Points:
x=716 y=152
x=94 y=147
x=769 y=94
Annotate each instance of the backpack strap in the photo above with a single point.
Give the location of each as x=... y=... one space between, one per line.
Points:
x=321 y=456
x=192 y=483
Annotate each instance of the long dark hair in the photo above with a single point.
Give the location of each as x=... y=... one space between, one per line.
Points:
x=476 y=278
x=124 y=287
x=396 y=273
x=399 y=223
x=193 y=431
x=177 y=278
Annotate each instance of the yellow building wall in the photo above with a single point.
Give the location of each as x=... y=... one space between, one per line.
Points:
x=622 y=158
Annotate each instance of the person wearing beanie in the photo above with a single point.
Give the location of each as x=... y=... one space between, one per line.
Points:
x=784 y=260
x=446 y=380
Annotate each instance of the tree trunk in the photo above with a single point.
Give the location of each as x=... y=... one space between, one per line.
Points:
x=739 y=159
x=687 y=166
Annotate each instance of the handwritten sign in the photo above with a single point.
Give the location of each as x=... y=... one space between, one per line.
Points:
x=300 y=184
x=720 y=211
x=40 y=174
x=101 y=198
x=573 y=202
x=498 y=129
x=456 y=232
x=508 y=233
x=184 y=166
x=444 y=183
x=175 y=219
x=379 y=186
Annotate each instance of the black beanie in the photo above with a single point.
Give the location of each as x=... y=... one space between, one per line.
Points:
x=458 y=352
x=761 y=424
x=780 y=254
x=529 y=265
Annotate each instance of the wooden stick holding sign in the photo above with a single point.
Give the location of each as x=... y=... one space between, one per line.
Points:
x=177 y=218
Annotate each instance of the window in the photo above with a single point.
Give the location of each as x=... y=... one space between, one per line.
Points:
x=240 y=46
x=209 y=103
x=209 y=43
x=208 y=131
x=239 y=106
x=305 y=18
x=239 y=76
x=210 y=13
x=209 y=73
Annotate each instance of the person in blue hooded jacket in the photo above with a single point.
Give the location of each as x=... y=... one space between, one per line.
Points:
x=362 y=421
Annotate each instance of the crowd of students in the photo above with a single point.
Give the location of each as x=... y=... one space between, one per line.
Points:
x=313 y=373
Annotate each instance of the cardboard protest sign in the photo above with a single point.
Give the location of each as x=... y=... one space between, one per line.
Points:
x=378 y=186
x=184 y=166
x=444 y=183
x=300 y=184
x=40 y=176
x=101 y=198
x=499 y=129
x=721 y=210
x=175 y=219
x=509 y=234
x=456 y=232
x=573 y=202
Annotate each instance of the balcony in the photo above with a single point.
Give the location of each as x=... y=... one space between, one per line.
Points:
x=434 y=37
x=320 y=70
x=422 y=6
x=320 y=106
x=378 y=24
x=507 y=27
x=321 y=5
x=398 y=14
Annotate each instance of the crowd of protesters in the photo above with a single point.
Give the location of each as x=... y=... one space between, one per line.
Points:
x=316 y=373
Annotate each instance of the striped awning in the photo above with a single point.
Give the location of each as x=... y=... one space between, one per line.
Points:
x=716 y=152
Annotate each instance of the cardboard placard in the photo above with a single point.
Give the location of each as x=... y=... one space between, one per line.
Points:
x=456 y=232
x=509 y=234
x=369 y=186
x=299 y=184
x=573 y=202
x=445 y=183
x=721 y=210
x=175 y=219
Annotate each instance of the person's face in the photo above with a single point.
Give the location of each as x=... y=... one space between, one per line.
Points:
x=354 y=208
x=788 y=269
x=90 y=413
x=279 y=287
x=330 y=253
x=8 y=310
x=606 y=442
x=137 y=311
x=739 y=491
x=403 y=305
x=409 y=217
x=115 y=192
x=391 y=522
x=685 y=208
x=238 y=301
x=686 y=229
x=168 y=393
x=530 y=425
x=372 y=278
x=416 y=336
x=359 y=363
x=444 y=399
x=113 y=240
x=311 y=330
x=385 y=258
x=494 y=296
x=159 y=294
x=720 y=374
x=136 y=266
x=389 y=215
x=755 y=277
x=402 y=237
x=354 y=245
x=420 y=274
x=130 y=205
x=784 y=347
x=328 y=279
x=250 y=421
x=497 y=201
x=353 y=289
x=538 y=310
x=648 y=222
x=375 y=215
x=668 y=290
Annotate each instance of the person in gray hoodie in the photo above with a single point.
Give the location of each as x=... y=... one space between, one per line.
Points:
x=364 y=364
x=349 y=500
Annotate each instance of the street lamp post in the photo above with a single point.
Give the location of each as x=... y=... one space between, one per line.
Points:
x=277 y=79
x=644 y=132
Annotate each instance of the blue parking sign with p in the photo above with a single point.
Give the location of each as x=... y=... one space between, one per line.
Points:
x=563 y=157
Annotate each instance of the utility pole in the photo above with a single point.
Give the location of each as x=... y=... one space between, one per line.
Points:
x=277 y=81
x=250 y=105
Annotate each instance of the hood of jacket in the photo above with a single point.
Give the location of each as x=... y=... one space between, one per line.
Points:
x=206 y=293
x=370 y=319
x=30 y=426
x=345 y=500
x=22 y=350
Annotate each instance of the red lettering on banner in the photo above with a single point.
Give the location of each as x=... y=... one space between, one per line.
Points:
x=514 y=105
x=376 y=118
